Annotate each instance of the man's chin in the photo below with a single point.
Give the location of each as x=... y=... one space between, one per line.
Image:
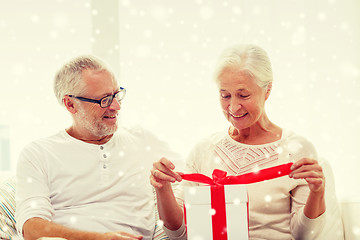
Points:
x=109 y=130
x=103 y=129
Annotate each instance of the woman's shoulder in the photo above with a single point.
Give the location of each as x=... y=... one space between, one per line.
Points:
x=290 y=136
x=204 y=148
x=212 y=139
x=296 y=144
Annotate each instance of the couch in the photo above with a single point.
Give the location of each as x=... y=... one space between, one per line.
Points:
x=7 y=208
x=333 y=230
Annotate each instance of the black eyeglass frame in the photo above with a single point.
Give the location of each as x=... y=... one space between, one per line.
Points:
x=122 y=90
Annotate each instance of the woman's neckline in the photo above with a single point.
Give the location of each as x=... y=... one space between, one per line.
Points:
x=282 y=136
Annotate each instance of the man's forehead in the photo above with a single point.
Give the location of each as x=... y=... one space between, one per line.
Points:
x=100 y=83
x=88 y=72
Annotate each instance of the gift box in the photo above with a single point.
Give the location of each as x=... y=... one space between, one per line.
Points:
x=205 y=220
x=220 y=211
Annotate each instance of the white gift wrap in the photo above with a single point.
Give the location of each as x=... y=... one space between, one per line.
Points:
x=199 y=212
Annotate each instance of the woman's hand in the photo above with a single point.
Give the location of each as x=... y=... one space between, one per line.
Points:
x=163 y=173
x=310 y=170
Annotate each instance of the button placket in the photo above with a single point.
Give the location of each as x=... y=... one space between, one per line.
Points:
x=104 y=164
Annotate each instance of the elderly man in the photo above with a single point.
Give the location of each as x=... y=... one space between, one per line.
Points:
x=89 y=181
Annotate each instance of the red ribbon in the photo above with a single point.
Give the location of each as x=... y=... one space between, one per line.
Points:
x=217 y=182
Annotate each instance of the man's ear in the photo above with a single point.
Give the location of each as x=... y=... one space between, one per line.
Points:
x=69 y=104
x=268 y=90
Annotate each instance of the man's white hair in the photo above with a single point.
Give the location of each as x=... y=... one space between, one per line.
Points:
x=68 y=79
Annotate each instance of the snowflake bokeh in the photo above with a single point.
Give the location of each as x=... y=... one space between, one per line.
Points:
x=165 y=53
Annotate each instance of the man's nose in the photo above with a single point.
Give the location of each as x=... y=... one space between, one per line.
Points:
x=115 y=104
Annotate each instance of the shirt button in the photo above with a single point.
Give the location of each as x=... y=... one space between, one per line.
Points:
x=104 y=155
x=104 y=166
x=101 y=147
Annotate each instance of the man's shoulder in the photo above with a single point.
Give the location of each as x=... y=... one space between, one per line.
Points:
x=131 y=130
x=211 y=140
x=134 y=132
x=56 y=139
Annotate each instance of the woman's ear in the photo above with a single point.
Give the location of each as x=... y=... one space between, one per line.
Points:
x=69 y=104
x=268 y=90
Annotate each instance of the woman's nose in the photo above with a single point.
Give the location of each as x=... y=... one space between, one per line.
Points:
x=234 y=106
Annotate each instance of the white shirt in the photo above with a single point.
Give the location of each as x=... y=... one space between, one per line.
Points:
x=99 y=188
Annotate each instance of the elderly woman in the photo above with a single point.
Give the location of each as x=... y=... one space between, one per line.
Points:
x=284 y=208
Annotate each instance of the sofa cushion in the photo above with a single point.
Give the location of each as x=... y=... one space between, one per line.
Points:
x=7 y=209
x=159 y=233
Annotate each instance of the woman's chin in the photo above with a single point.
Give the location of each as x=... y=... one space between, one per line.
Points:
x=239 y=125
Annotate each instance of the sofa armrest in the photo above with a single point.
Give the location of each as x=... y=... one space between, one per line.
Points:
x=7 y=209
x=350 y=216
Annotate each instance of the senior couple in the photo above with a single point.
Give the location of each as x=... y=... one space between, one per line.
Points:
x=90 y=181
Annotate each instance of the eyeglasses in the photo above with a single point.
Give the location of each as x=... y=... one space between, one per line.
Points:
x=105 y=101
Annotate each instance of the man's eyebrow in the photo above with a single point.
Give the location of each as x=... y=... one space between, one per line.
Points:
x=240 y=89
x=103 y=95
x=110 y=93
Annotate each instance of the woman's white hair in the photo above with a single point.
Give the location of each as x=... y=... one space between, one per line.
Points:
x=249 y=59
x=68 y=79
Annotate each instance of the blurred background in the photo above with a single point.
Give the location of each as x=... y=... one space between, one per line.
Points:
x=164 y=53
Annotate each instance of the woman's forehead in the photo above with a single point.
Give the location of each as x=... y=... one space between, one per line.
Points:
x=235 y=79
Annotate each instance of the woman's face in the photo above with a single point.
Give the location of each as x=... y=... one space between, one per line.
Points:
x=242 y=100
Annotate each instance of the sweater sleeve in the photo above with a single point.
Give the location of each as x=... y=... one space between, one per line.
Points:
x=301 y=226
x=333 y=228
x=179 y=234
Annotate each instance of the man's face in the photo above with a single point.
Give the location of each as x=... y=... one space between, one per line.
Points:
x=91 y=119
